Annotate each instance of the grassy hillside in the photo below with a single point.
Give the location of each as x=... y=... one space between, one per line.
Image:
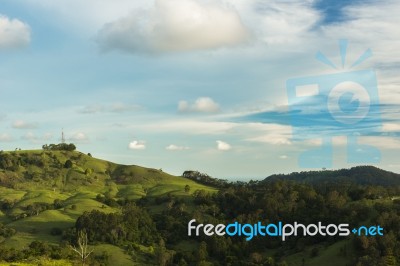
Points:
x=40 y=191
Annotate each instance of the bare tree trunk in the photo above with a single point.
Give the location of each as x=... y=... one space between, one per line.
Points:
x=82 y=248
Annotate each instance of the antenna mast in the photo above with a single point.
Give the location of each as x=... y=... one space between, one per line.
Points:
x=62 y=136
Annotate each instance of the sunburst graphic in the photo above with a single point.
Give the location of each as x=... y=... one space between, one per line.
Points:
x=343 y=44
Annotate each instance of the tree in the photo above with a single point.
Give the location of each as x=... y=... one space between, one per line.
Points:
x=269 y=261
x=59 y=147
x=82 y=248
x=282 y=263
x=68 y=164
x=71 y=147
x=202 y=253
x=389 y=259
x=187 y=188
x=256 y=257
x=314 y=252
x=58 y=204
x=38 y=248
x=170 y=204
x=182 y=207
x=88 y=171
x=161 y=253
x=214 y=209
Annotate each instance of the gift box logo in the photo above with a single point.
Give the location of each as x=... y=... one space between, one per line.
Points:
x=344 y=103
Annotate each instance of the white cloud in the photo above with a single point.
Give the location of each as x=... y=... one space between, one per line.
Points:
x=390 y=127
x=4 y=137
x=223 y=146
x=123 y=107
x=13 y=33
x=137 y=145
x=21 y=124
x=187 y=126
x=91 y=109
x=47 y=136
x=174 y=147
x=274 y=134
x=202 y=105
x=274 y=139
x=283 y=157
x=174 y=26
x=382 y=142
x=79 y=137
x=380 y=19
x=282 y=22
x=112 y=108
x=29 y=136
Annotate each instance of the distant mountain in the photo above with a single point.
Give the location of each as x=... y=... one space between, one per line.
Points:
x=363 y=175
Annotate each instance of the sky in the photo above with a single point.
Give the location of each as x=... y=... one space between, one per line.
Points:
x=205 y=85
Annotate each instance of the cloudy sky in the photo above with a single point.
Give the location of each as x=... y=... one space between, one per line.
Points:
x=201 y=84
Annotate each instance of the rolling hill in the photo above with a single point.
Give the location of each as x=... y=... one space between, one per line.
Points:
x=46 y=189
x=138 y=216
x=361 y=175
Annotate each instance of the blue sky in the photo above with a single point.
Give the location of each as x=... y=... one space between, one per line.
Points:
x=193 y=84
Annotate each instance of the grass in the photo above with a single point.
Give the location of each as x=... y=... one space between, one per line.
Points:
x=40 y=261
x=41 y=196
x=117 y=256
x=30 y=184
x=11 y=194
x=39 y=228
x=132 y=192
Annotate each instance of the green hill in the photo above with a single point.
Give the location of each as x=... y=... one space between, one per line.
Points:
x=130 y=215
x=50 y=170
x=46 y=189
x=361 y=175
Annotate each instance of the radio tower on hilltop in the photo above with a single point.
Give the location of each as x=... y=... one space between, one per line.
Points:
x=62 y=136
